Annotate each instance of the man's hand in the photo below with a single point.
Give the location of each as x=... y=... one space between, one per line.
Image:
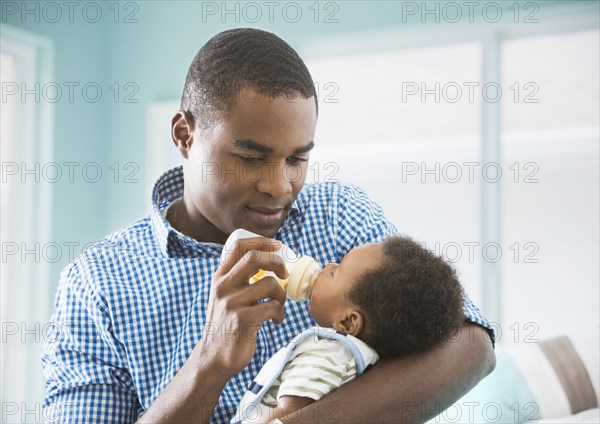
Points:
x=228 y=341
x=234 y=315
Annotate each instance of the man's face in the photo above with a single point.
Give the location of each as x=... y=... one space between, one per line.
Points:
x=248 y=169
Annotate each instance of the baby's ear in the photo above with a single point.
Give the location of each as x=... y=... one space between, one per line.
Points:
x=352 y=323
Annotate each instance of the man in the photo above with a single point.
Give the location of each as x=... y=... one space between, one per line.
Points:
x=166 y=334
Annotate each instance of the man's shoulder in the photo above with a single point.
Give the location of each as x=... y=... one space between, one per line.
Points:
x=141 y=228
x=102 y=263
x=327 y=186
x=327 y=191
x=137 y=238
x=334 y=199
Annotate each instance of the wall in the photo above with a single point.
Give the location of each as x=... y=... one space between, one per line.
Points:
x=80 y=128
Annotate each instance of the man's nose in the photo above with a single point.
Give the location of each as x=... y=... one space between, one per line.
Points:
x=274 y=181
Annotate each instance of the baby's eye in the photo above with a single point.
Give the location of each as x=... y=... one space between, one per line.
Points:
x=331 y=272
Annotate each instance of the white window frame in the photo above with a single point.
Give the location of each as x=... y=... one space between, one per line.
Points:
x=31 y=208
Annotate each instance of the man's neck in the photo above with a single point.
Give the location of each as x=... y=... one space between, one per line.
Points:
x=189 y=221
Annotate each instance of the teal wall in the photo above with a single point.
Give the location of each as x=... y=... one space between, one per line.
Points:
x=80 y=130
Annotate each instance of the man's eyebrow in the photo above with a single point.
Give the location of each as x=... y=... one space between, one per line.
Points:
x=304 y=149
x=250 y=144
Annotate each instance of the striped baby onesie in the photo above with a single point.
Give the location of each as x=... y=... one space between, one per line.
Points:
x=317 y=366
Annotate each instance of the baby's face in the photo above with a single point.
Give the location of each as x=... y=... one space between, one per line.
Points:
x=328 y=302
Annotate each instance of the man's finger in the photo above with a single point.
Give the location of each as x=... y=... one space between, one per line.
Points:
x=269 y=310
x=262 y=289
x=243 y=246
x=251 y=263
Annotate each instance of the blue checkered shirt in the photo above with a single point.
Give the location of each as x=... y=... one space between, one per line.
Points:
x=129 y=310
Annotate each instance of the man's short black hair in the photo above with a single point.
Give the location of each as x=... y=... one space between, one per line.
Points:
x=412 y=301
x=237 y=59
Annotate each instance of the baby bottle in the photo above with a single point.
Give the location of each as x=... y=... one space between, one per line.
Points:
x=303 y=271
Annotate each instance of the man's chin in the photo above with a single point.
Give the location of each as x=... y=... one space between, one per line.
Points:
x=262 y=230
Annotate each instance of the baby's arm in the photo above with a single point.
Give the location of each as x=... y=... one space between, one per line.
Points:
x=316 y=368
x=288 y=405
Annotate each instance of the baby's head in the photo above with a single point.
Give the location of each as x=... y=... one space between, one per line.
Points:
x=396 y=296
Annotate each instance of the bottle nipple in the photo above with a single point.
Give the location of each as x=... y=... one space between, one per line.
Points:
x=302 y=278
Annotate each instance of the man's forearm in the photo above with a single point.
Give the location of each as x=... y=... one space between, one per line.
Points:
x=190 y=397
x=286 y=405
x=410 y=389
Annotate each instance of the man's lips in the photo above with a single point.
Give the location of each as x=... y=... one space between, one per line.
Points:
x=265 y=210
x=265 y=216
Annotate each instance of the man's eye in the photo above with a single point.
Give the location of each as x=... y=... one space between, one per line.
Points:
x=296 y=160
x=250 y=159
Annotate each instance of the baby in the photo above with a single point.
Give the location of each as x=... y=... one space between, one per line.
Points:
x=389 y=299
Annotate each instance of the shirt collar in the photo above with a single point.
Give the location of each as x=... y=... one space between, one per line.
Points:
x=167 y=189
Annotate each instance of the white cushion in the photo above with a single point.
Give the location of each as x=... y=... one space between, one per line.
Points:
x=591 y=416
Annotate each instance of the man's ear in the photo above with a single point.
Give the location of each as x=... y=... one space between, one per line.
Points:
x=352 y=323
x=182 y=130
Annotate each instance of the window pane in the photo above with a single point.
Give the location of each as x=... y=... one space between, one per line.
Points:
x=372 y=98
x=550 y=199
x=562 y=73
x=402 y=151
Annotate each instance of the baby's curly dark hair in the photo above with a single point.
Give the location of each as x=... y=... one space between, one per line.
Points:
x=412 y=301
